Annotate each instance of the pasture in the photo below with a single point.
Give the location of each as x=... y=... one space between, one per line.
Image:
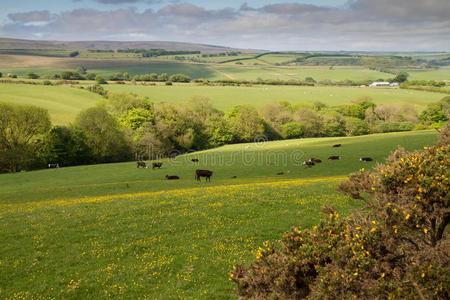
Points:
x=225 y=97
x=115 y=231
x=62 y=102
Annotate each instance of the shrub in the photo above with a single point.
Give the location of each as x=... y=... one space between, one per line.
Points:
x=355 y=126
x=395 y=247
x=394 y=127
x=32 y=75
x=292 y=130
x=46 y=82
x=100 y=80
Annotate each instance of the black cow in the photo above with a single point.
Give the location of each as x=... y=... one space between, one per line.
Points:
x=315 y=160
x=53 y=165
x=174 y=177
x=280 y=173
x=337 y=145
x=203 y=173
x=308 y=163
x=157 y=165
x=234 y=177
x=142 y=164
x=334 y=158
x=365 y=159
x=194 y=160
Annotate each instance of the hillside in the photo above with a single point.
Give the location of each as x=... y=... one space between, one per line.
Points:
x=115 y=231
x=6 y=43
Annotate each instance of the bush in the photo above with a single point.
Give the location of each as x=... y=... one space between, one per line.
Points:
x=355 y=126
x=394 y=127
x=100 y=80
x=292 y=130
x=46 y=82
x=395 y=247
x=32 y=75
x=168 y=82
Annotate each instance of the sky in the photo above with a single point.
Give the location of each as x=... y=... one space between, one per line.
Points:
x=279 y=25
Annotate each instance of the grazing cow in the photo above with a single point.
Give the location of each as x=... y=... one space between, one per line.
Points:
x=157 y=165
x=53 y=165
x=194 y=160
x=142 y=164
x=308 y=164
x=337 y=145
x=315 y=160
x=280 y=173
x=174 y=177
x=203 y=173
x=365 y=159
x=334 y=158
x=234 y=177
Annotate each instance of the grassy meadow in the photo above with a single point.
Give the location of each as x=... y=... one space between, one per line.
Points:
x=115 y=231
x=62 y=102
x=225 y=97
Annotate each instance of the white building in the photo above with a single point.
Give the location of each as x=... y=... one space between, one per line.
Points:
x=380 y=83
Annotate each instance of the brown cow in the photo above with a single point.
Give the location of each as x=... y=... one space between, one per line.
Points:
x=203 y=173
x=141 y=164
x=157 y=165
x=334 y=158
x=174 y=177
x=337 y=145
x=365 y=159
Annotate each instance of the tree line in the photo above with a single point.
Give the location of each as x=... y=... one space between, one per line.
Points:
x=124 y=127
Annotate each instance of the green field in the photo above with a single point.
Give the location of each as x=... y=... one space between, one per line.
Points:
x=115 y=231
x=442 y=73
x=62 y=102
x=225 y=97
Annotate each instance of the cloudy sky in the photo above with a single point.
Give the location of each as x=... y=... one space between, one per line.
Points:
x=391 y=25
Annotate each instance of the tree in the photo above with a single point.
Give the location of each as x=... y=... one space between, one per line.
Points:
x=91 y=76
x=20 y=125
x=74 y=53
x=103 y=135
x=163 y=77
x=292 y=130
x=65 y=146
x=310 y=79
x=433 y=114
x=401 y=77
x=81 y=69
x=333 y=124
x=32 y=75
x=245 y=123
x=180 y=78
x=355 y=126
x=100 y=80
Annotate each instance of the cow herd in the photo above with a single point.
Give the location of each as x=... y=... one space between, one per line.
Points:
x=198 y=173
x=314 y=161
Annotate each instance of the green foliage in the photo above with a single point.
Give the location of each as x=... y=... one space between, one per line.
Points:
x=394 y=248
x=245 y=123
x=401 y=77
x=433 y=114
x=292 y=130
x=394 y=127
x=69 y=75
x=180 y=78
x=91 y=76
x=163 y=77
x=81 y=69
x=103 y=135
x=333 y=124
x=32 y=75
x=20 y=125
x=65 y=146
x=98 y=89
x=74 y=53
x=100 y=80
x=355 y=126
x=353 y=110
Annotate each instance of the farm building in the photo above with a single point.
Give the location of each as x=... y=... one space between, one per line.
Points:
x=377 y=84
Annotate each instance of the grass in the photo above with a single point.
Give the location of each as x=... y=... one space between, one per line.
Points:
x=62 y=102
x=115 y=231
x=443 y=73
x=226 y=97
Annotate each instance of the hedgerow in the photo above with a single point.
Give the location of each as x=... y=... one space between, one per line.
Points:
x=395 y=247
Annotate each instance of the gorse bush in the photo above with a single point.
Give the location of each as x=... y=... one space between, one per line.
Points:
x=394 y=248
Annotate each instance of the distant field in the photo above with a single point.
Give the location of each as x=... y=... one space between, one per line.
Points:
x=300 y=73
x=62 y=102
x=115 y=231
x=21 y=64
x=442 y=73
x=226 y=97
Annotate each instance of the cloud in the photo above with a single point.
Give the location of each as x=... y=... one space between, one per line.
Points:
x=360 y=25
x=29 y=17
